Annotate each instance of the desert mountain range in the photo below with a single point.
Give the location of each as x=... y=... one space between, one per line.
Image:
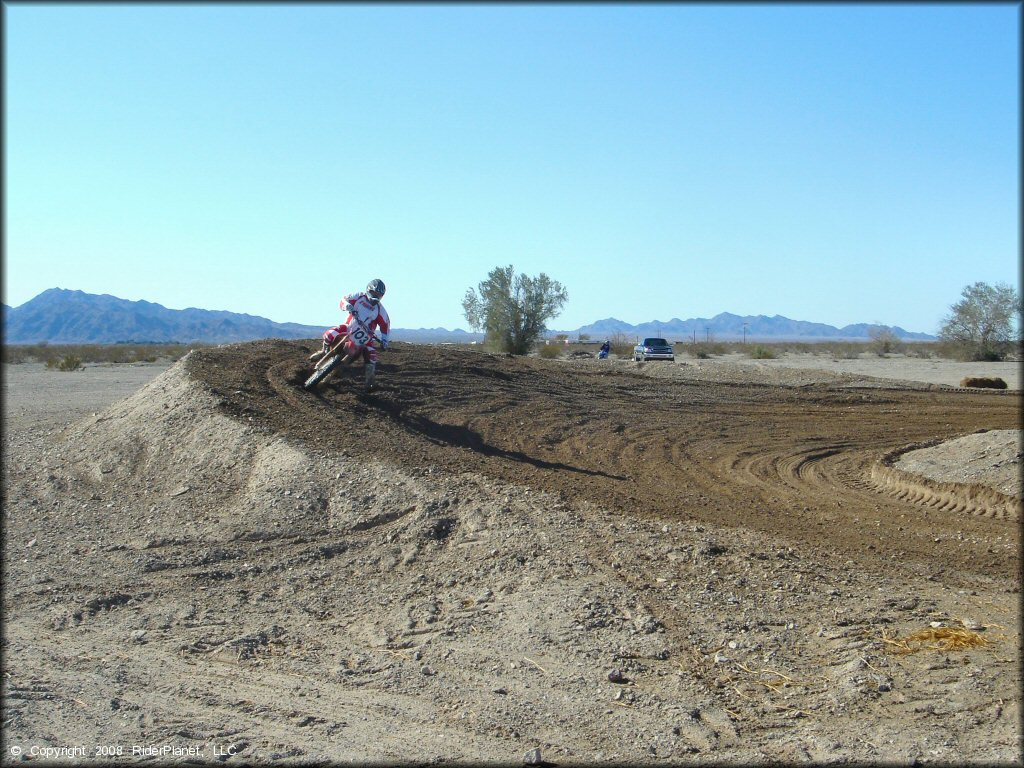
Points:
x=61 y=316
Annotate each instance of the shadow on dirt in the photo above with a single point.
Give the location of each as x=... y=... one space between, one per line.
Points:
x=455 y=436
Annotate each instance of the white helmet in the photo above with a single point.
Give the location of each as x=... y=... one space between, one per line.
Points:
x=375 y=290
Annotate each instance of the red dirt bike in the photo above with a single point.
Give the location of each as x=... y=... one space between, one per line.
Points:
x=346 y=348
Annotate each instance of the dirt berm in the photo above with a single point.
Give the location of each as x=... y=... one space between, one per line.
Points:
x=489 y=556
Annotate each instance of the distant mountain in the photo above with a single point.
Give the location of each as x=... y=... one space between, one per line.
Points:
x=727 y=327
x=60 y=316
x=607 y=327
x=435 y=335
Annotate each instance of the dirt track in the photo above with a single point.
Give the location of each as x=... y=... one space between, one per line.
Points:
x=609 y=563
x=792 y=461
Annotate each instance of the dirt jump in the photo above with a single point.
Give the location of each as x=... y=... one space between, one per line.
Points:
x=516 y=560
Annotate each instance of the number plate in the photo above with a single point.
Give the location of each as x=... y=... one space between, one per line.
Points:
x=359 y=335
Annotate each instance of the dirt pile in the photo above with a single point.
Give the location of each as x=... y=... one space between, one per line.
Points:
x=990 y=458
x=493 y=555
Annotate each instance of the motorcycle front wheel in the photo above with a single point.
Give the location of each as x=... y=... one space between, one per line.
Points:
x=322 y=373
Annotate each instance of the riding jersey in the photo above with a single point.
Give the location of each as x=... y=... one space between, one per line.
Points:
x=371 y=315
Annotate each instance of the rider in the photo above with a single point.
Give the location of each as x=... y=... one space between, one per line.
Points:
x=366 y=308
x=605 y=349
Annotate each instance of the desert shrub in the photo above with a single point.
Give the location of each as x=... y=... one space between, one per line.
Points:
x=622 y=350
x=66 y=363
x=845 y=350
x=884 y=341
x=994 y=352
x=923 y=349
x=800 y=347
x=16 y=354
x=704 y=349
x=762 y=353
x=550 y=351
x=991 y=354
x=94 y=353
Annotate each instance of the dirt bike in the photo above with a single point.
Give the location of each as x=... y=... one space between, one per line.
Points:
x=346 y=348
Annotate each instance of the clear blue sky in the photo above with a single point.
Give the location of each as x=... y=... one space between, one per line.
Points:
x=832 y=163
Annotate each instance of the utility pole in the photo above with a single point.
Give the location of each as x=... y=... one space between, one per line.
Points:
x=707 y=334
x=745 y=333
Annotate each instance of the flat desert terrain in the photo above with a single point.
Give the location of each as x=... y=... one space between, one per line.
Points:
x=512 y=560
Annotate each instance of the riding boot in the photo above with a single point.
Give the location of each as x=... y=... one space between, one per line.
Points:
x=315 y=357
x=370 y=372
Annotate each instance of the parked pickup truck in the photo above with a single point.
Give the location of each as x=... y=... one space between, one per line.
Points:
x=653 y=349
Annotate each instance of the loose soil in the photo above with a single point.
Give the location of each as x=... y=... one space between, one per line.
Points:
x=489 y=556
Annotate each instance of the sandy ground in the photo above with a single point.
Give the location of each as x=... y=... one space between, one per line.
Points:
x=893 y=367
x=213 y=568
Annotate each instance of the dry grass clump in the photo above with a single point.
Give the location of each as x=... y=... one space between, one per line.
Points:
x=936 y=639
x=984 y=382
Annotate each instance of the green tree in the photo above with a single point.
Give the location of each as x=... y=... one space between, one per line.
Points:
x=981 y=325
x=512 y=309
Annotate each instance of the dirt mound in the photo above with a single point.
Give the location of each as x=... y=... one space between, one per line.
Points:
x=989 y=457
x=493 y=555
x=977 y=474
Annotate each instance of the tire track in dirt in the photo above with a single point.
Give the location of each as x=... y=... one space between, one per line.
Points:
x=791 y=461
